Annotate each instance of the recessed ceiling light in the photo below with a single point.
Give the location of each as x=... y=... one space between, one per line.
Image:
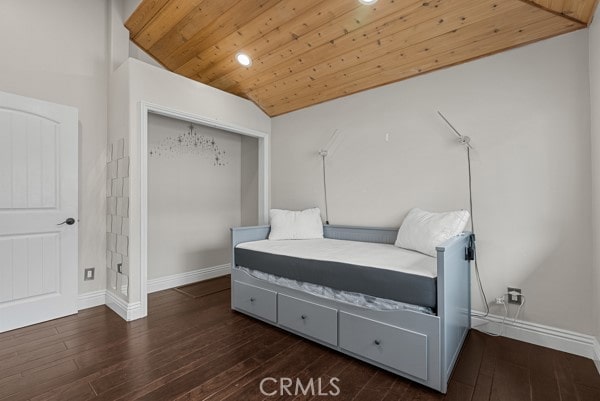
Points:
x=368 y=2
x=243 y=59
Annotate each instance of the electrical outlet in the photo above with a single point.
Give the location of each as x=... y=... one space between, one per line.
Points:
x=514 y=295
x=88 y=274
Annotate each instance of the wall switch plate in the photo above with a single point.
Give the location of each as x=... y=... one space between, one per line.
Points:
x=514 y=298
x=120 y=268
x=88 y=274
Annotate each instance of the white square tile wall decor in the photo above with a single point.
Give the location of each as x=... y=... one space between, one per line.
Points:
x=117 y=218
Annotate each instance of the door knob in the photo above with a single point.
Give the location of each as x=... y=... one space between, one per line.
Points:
x=70 y=221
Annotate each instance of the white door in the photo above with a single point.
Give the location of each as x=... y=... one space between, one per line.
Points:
x=38 y=191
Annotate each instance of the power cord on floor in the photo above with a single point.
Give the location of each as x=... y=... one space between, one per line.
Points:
x=504 y=318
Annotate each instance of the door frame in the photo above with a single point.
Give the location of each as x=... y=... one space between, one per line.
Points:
x=263 y=175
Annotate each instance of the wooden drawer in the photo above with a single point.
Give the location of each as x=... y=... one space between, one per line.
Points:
x=393 y=346
x=313 y=320
x=255 y=300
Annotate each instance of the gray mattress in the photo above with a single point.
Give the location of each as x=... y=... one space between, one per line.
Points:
x=398 y=286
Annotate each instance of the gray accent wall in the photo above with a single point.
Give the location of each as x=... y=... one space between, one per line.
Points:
x=528 y=113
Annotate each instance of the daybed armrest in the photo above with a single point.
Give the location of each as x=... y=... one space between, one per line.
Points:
x=247 y=234
x=456 y=241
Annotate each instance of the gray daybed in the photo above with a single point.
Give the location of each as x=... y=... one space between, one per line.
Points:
x=417 y=345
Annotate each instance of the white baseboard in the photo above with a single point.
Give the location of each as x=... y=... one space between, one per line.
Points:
x=133 y=311
x=177 y=280
x=128 y=311
x=91 y=299
x=539 y=334
x=597 y=352
x=534 y=333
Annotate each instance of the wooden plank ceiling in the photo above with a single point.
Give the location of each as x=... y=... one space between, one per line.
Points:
x=306 y=52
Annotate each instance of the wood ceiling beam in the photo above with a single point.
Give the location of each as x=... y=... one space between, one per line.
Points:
x=373 y=46
x=478 y=40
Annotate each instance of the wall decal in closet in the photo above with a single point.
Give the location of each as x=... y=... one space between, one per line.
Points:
x=190 y=143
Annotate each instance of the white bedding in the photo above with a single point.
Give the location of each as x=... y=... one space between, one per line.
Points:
x=380 y=256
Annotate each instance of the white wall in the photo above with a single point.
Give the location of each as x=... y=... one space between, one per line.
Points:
x=56 y=51
x=122 y=47
x=249 y=177
x=192 y=199
x=524 y=109
x=527 y=112
x=594 y=38
x=118 y=35
x=129 y=6
x=135 y=82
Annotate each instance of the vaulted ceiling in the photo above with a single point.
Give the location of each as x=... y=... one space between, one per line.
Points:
x=306 y=52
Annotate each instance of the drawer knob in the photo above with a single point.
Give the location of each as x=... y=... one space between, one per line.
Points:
x=303 y=317
x=252 y=299
x=377 y=342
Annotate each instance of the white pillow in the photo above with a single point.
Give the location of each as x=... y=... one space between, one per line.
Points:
x=423 y=231
x=288 y=224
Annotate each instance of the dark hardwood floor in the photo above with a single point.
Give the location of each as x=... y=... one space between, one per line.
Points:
x=193 y=347
x=208 y=287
